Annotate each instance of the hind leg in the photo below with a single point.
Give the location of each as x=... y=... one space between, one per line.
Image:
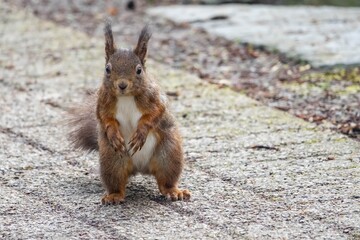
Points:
x=115 y=171
x=166 y=166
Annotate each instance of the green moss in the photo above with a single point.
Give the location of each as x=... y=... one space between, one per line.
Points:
x=340 y=140
x=275 y=199
x=324 y=85
x=337 y=74
x=312 y=141
x=303 y=89
x=351 y=166
x=353 y=89
x=328 y=81
x=345 y=3
x=355 y=236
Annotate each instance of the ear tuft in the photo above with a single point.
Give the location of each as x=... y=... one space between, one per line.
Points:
x=110 y=48
x=141 y=47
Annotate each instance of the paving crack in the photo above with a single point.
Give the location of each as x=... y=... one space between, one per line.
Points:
x=11 y=133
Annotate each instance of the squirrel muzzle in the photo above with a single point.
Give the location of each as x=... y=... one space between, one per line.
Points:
x=123 y=86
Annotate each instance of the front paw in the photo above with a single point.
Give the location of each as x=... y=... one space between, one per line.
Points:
x=117 y=142
x=138 y=140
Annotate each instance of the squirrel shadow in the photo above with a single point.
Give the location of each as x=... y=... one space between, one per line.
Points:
x=138 y=189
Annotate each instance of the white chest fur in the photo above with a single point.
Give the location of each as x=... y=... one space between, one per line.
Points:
x=128 y=116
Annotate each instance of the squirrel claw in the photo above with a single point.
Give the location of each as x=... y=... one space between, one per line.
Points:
x=114 y=198
x=176 y=194
x=115 y=139
x=137 y=141
x=118 y=145
x=134 y=148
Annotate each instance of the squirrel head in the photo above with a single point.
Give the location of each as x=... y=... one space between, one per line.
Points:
x=125 y=68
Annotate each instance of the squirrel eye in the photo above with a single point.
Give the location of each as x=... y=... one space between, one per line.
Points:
x=138 y=70
x=108 y=69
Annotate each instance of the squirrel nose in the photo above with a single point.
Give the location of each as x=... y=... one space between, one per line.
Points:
x=122 y=86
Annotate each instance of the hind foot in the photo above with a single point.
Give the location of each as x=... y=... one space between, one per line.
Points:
x=176 y=194
x=113 y=198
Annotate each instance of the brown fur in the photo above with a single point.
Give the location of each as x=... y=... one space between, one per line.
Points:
x=82 y=121
x=116 y=166
x=110 y=47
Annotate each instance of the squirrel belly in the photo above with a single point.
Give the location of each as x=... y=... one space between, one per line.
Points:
x=128 y=115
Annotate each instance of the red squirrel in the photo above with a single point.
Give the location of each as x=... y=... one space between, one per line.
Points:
x=128 y=122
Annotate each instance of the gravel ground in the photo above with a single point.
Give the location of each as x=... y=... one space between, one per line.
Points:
x=255 y=172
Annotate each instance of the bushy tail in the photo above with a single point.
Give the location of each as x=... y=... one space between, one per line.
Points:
x=82 y=122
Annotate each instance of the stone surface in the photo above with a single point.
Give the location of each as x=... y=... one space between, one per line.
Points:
x=324 y=36
x=254 y=172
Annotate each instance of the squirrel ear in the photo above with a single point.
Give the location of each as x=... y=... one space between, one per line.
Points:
x=110 y=48
x=141 y=47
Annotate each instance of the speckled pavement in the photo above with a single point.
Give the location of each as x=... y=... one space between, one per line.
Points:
x=255 y=172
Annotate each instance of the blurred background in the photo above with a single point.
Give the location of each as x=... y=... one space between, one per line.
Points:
x=292 y=2
x=300 y=59
x=280 y=2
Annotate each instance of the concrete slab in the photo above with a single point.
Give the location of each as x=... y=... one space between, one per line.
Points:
x=324 y=36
